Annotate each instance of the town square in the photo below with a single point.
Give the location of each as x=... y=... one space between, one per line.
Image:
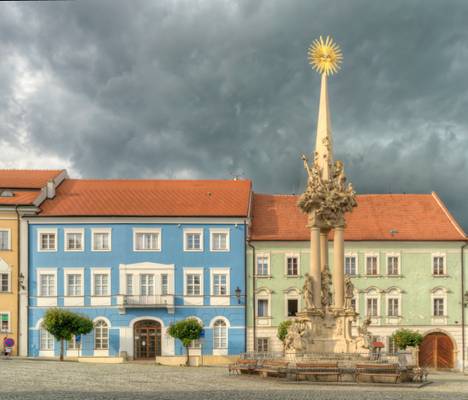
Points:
x=172 y=226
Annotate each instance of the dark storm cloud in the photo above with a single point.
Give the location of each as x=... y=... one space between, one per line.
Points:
x=216 y=88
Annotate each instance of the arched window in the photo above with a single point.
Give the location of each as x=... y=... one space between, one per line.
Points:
x=46 y=340
x=101 y=335
x=220 y=334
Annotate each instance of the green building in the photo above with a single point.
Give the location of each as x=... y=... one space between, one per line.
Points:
x=404 y=254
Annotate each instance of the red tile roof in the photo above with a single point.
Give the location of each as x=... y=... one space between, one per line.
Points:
x=421 y=217
x=20 y=198
x=156 y=198
x=26 y=178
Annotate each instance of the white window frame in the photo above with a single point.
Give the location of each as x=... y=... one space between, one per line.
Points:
x=228 y=239
x=291 y=294
x=444 y=257
x=8 y=231
x=147 y=230
x=194 y=299
x=267 y=256
x=101 y=230
x=9 y=321
x=398 y=257
x=220 y=351
x=149 y=288
x=292 y=255
x=79 y=231
x=48 y=231
x=49 y=351
x=101 y=300
x=393 y=293
x=225 y=299
x=352 y=255
x=439 y=293
x=369 y=255
x=188 y=231
x=5 y=269
x=101 y=351
x=373 y=293
x=263 y=294
x=42 y=300
x=69 y=300
x=265 y=339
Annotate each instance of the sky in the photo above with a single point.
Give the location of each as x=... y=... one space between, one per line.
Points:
x=218 y=89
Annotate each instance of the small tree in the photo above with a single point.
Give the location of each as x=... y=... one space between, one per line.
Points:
x=186 y=331
x=282 y=331
x=406 y=337
x=64 y=324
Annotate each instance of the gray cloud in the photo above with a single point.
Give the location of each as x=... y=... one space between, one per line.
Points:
x=216 y=88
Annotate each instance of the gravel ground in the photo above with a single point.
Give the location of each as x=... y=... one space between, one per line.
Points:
x=25 y=380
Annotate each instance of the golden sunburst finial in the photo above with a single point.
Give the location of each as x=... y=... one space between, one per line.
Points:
x=325 y=56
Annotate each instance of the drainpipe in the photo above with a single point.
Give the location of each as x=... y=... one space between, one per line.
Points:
x=18 y=284
x=463 y=304
x=245 y=288
x=254 y=333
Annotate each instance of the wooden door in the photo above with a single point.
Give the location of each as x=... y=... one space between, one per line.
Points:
x=147 y=339
x=436 y=351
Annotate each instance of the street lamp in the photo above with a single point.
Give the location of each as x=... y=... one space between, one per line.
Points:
x=238 y=294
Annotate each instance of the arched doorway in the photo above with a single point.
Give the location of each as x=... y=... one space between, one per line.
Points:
x=147 y=339
x=436 y=351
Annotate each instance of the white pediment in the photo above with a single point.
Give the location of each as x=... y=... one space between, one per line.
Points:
x=4 y=267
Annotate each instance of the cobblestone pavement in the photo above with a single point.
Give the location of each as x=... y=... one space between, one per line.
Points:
x=25 y=380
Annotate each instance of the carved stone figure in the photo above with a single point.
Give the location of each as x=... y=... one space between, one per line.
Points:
x=364 y=337
x=326 y=295
x=308 y=292
x=298 y=336
x=339 y=327
x=349 y=292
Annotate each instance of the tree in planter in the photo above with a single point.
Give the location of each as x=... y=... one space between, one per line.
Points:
x=404 y=338
x=282 y=331
x=186 y=331
x=64 y=324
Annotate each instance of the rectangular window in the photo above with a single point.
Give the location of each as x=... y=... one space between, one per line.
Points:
x=438 y=265
x=4 y=282
x=372 y=307
x=438 y=307
x=354 y=304
x=219 y=284
x=193 y=282
x=393 y=307
x=101 y=284
x=129 y=282
x=262 y=265
x=350 y=265
x=47 y=241
x=220 y=241
x=147 y=284
x=195 y=344
x=5 y=322
x=4 y=240
x=73 y=344
x=292 y=307
x=263 y=345
x=46 y=340
x=164 y=284
x=47 y=285
x=393 y=267
x=73 y=284
x=101 y=240
x=292 y=266
x=147 y=241
x=262 y=308
x=193 y=240
x=371 y=265
x=74 y=241
x=392 y=347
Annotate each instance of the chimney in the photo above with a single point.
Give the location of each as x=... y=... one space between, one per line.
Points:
x=50 y=189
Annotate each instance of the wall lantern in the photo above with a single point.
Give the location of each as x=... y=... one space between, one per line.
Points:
x=238 y=294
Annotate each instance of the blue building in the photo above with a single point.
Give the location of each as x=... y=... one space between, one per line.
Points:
x=136 y=256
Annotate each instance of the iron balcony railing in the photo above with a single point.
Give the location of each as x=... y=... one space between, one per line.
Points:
x=135 y=301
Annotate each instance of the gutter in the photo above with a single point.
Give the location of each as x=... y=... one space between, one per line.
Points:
x=462 y=251
x=254 y=331
x=18 y=283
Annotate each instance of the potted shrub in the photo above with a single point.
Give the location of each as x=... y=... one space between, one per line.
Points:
x=282 y=331
x=408 y=341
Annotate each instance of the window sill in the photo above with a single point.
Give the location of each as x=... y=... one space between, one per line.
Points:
x=101 y=251
x=373 y=276
x=292 y=276
x=394 y=276
x=263 y=276
x=193 y=250
x=47 y=250
x=441 y=276
x=220 y=251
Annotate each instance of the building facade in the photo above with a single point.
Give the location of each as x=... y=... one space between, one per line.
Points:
x=403 y=253
x=21 y=191
x=176 y=249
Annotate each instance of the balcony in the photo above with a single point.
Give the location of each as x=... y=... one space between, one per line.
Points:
x=141 y=301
